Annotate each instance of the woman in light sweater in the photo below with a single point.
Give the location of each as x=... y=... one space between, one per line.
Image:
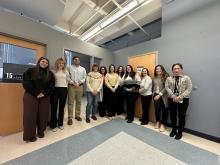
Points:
x=160 y=97
x=112 y=82
x=94 y=85
x=59 y=95
x=146 y=95
x=179 y=87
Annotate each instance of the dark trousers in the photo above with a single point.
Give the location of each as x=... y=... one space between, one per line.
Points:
x=160 y=109
x=102 y=105
x=35 y=115
x=180 y=110
x=145 y=102
x=130 y=98
x=58 y=97
x=120 y=101
x=112 y=103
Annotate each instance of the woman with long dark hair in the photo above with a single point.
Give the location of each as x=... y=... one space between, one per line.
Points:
x=130 y=86
x=102 y=104
x=38 y=83
x=111 y=81
x=119 y=92
x=160 y=97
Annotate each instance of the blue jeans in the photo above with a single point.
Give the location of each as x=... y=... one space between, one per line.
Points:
x=91 y=104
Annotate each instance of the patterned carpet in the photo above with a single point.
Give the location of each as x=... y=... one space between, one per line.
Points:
x=117 y=142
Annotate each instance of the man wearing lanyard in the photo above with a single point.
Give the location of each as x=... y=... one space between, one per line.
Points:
x=75 y=89
x=179 y=87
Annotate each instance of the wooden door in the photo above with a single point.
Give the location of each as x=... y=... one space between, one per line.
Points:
x=148 y=61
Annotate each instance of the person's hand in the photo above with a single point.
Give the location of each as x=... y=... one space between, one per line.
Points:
x=129 y=89
x=157 y=97
x=94 y=93
x=40 y=95
x=76 y=84
x=177 y=99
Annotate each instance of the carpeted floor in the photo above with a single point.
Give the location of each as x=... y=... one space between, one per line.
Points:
x=117 y=142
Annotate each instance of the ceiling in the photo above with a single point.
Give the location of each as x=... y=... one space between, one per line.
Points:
x=79 y=17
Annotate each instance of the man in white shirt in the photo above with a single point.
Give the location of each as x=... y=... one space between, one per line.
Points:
x=75 y=89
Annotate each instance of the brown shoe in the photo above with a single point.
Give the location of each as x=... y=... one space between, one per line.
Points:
x=78 y=118
x=70 y=122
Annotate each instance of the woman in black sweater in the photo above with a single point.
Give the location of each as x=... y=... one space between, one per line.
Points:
x=38 y=83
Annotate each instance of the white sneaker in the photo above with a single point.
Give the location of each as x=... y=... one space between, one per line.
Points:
x=54 y=129
x=61 y=127
x=157 y=125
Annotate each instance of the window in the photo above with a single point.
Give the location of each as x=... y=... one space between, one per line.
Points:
x=16 y=55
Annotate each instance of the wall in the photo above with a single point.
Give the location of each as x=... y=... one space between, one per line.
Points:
x=56 y=41
x=191 y=36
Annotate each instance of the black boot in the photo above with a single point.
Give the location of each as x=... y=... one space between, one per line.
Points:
x=173 y=133
x=179 y=135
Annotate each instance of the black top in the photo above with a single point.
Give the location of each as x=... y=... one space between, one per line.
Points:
x=37 y=86
x=131 y=84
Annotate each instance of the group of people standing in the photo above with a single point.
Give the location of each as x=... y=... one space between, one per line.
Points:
x=106 y=91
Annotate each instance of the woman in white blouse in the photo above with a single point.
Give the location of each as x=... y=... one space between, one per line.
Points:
x=59 y=95
x=146 y=95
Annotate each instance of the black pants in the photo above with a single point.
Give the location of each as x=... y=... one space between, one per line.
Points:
x=120 y=101
x=160 y=109
x=102 y=105
x=180 y=110
x=145 y=102
x=130 y=98
x=112 y=103
x=59 y=96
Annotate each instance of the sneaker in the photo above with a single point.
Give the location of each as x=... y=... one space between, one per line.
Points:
x=87 y=120
x=94 y=117
x=54 y=129
x=78 y=118
x=173 y=133
x=162 y=128
x=157 y=125
x=70 y=122
x=179 y=135
x=60 y=127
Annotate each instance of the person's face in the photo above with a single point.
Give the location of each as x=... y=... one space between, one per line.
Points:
x=128 y=68
x=43 y=63
x=61 y=65
x=112 y=69
x=177 y=70
x=76 y=61
x=120 y=69
x=102 y=70
x=144 y=72
x=159 y=70
x=95 y=69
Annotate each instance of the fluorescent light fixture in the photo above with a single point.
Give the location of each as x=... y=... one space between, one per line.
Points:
x=120 y=13
x=91 y=33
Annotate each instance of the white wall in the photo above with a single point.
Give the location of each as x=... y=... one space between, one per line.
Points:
x=193 y=39
x=56 y=41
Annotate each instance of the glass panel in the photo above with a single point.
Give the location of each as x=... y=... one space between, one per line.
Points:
x=16 y=55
